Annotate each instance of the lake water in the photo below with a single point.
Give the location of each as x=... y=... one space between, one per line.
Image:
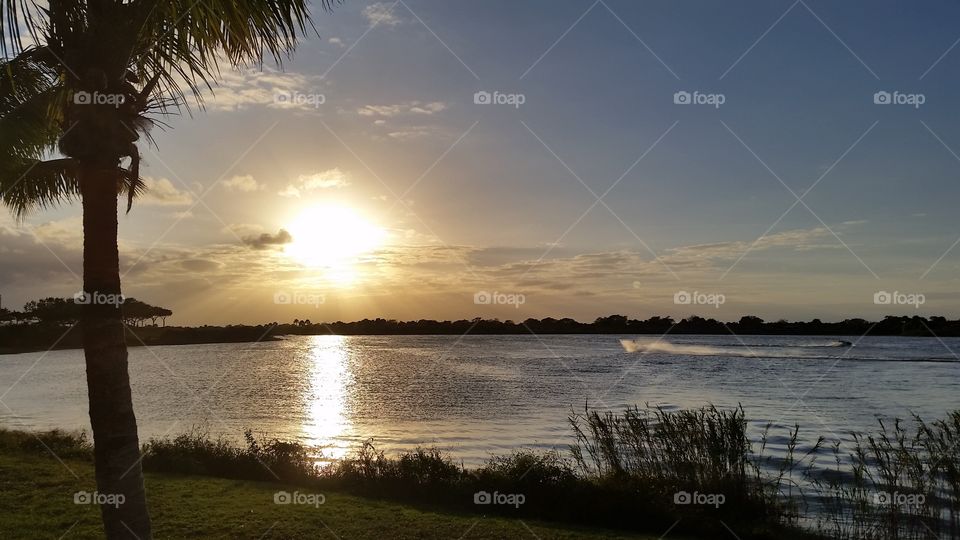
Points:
x=480 y=395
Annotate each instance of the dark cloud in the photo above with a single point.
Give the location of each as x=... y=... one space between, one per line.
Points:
x=30 y=259
x=200 y=265
x=267 y=240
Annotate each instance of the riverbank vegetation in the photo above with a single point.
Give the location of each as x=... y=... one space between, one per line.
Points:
x=643 y=470
x=37 y=494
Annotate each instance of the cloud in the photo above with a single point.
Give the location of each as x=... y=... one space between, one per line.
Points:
x=41 y=260
x=326 y=179
x=705 y=255
x=381 y=13
x=429 y=108
x=200 y=265
x=336 y=41
x=242 y=89
x=418 y=267
x=331 y=178
x=162 y=192
x=64 y=231
x=611 y=272
x=399 y=121
x=406 y=108
x=289 y=191
x=244 y=183
x=267 y=240
x=414 y=132
x=242 y=229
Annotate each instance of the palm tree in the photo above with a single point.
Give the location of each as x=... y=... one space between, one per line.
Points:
x=74 y=102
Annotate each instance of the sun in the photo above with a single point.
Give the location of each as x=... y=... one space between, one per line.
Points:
x=332 y=237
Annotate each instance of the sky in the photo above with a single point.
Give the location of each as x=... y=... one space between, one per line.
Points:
x=457 y=159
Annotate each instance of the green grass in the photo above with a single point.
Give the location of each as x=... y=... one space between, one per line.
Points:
x=36 y=494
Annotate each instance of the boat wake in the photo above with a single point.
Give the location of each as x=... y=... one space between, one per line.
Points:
x=632 y=346
x=799 y=351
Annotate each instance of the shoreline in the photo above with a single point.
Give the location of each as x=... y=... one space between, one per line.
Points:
x=188 y=505
x=203 y=335
x=587 y=488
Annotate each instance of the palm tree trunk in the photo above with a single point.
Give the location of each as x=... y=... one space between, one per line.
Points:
x=116 y=445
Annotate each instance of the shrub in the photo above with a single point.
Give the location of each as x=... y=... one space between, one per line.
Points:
x=63 y=444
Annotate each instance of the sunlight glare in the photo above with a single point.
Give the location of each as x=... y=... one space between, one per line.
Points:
x=332 y=237
x=327 y=420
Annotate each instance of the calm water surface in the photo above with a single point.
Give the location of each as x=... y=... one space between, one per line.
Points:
x=481 y=395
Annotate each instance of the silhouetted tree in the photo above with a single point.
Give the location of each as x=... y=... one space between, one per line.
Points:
x=58 y=311
x=85 y=90
x=749 y=323
x=135 y=312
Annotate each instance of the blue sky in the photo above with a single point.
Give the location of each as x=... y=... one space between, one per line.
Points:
x=502 y=197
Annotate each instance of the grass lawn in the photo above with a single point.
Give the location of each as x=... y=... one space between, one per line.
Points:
x=37 y=501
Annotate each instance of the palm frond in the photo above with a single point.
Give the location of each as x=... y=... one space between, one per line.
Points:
x=31 y=184
x=154 y=52
x=185 y=41
x=29 y=128
x=30 y=105
x=16 y=18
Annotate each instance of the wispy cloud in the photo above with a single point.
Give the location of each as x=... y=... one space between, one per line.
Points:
x=162 y=192
x=331 y=178
x=381 y=14
x=398 y=109
x=239 y=90
x=244 y=183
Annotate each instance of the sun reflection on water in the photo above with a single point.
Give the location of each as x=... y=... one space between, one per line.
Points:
x=327 y=423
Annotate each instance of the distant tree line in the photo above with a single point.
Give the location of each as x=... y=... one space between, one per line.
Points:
x=54 y=311
x=40 y=326
x=621 y=324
